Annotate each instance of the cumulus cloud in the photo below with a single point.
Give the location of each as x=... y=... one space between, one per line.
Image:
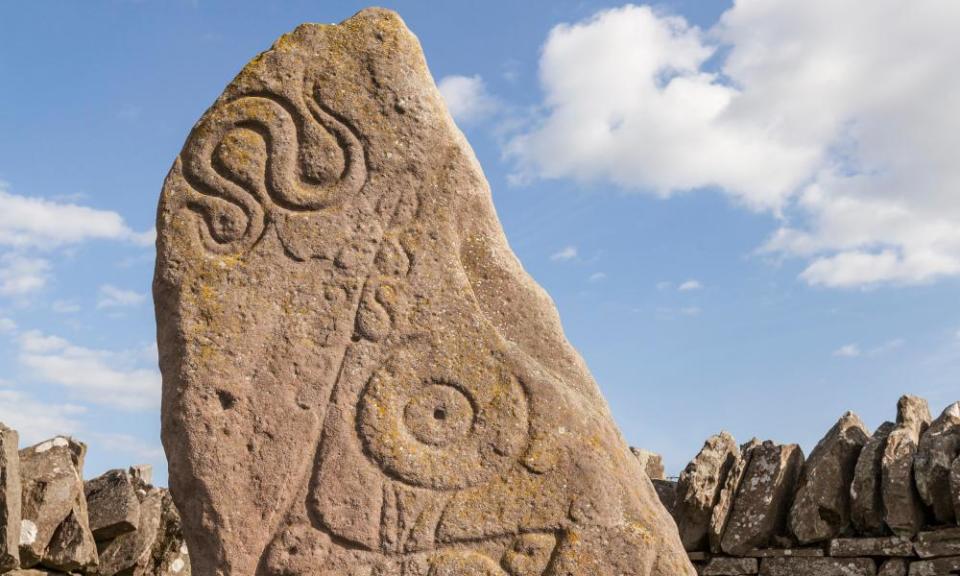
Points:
x=7 y=326
x=597 y=277
x=22 y=275
x=126 y=380
x=690 y=285
x=837 y=118
x=113 y=297
x=467 y=97
x=566 y=253
x=36 y=421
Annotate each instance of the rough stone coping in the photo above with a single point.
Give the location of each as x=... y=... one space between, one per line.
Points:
x=936 y=567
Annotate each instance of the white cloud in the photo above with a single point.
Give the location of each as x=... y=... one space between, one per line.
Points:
x=22 y=275
x=597 y=277
x=7 y=326
x=140 y=449
x=567 y=253
x=36 y=421
x=847 y=351
x=467 y=98
x=118 y=379
x=65 y=307
x=888 y=346
x=113 y=297
x=690 y=285
x=38 y=223
x=838 y=118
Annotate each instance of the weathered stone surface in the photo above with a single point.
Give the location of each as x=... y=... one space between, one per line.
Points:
x=650 y=462
x=358 y=373
x=894 y=567
x=131 y=552
x=54 y=527
x=818 y=567
x=699 y=489
x=936 y=567
x=10 y=495
x=760 y=508
x=785 y=553
x=938 y=448
x=884 y=546
x=33 y=572
x=721 y=510
x=667 y=493
x=112 y=505
x=725 y=566
x=955 y=486
x=821 y=507
x=142 y=473
x=903 y=509
x=934 y=543
x=170 y=556
x=866 y=496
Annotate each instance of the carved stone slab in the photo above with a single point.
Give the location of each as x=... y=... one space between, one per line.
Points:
x=359 y=376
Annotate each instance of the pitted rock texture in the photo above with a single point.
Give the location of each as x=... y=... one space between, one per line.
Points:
x=904 y=512
x=112 y=504
x=699 y=489
x=359 y=376
x=866 y=497
x=10 y=496
x=821 y=507
x=939 y=447
x=721 y=510
x=760 y=509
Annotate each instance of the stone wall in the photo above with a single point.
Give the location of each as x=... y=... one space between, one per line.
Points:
x=51 y=521
x=861 y=504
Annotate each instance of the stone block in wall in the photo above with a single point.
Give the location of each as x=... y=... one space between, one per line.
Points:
x=938 y=448
x=761 y=505
x=821 y=507
x=903 y=510
x=10 y=495
x=54 y=528
x=818 y=567
x=955 y=486
x=894 y=567
x=866 y=496
x=112 y=505
x=935 y=567
x=699 y=488
x=667 y=493
x=936 y=543
x=651 y=462
x=130 y=553
x=785 y=553
x=721 y=510
x=882 y=546
x=170 y=556
x=729 y=566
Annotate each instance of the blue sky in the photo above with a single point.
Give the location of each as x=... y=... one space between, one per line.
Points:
x=747 y=214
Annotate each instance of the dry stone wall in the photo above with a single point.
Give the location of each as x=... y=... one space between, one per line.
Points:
x=52 y=522
x=862 y=504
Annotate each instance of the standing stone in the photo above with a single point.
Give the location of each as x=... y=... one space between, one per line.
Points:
x=721 y=510
x=938 y=448
x=866 y=496
x=358 y=373
x=650 y=462
x=903 y=509
x=699 y=488
x=112 y=505
x=821 y=507
x=10 y=495
x=54 y=529
x=763 y=501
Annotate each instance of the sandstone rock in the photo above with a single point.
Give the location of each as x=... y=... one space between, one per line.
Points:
x=884 y=546
x=818 y=567
x=54 y=527
x=667 y=493
x=130 y=553
x=650 y=462
x=934 y=543
x=936 y=567
x=955 y=486
x=112 y=505
x=721 y=510
x=10 y=495
x=894 y=567
x=358 y=373
x=938 y=448
x=699 y=488
x=821 y=508
x=903 y=510
x=729 y=567
x=760 y=508
x=866 y=496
